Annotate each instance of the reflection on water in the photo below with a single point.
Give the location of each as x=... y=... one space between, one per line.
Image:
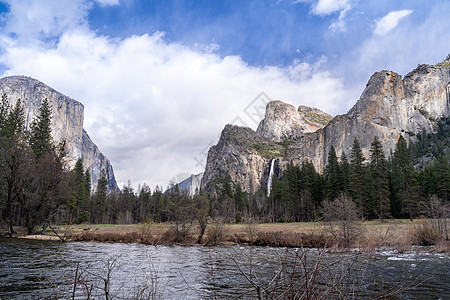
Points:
x=47 y=270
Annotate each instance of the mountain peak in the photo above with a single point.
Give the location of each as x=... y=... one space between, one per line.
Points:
x=282 y=121
x=389 y=107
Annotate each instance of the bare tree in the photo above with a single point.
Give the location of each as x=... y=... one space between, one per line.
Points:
x=437 y=212
x=341 y=218
x=201 y=206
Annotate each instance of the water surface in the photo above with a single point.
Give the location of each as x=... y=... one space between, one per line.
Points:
x=47 y=269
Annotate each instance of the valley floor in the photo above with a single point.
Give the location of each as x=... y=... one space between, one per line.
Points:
x=401 y=235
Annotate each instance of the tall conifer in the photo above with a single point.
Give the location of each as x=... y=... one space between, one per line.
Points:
x=379 y=174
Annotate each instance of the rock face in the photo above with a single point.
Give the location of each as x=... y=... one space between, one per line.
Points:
x=389 y=106
x=242 y=156
x=191 y=185
x=67 y=123
x=282 y=121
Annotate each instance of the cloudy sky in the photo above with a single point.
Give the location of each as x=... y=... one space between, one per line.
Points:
x=160 y=79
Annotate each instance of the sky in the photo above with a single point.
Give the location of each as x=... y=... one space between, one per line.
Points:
x=159 y=80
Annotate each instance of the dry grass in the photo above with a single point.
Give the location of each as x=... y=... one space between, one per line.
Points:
x=397 y=234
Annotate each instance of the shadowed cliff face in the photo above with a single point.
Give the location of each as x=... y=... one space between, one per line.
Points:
x=389 y=106
x=67 y=123
x=240 y=155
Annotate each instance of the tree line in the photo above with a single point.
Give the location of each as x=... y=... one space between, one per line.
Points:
x=33 y=181
x=38 y=188
x=381 y=187
x=397 y=186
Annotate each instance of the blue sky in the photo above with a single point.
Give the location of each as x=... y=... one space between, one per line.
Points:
x=160 y=79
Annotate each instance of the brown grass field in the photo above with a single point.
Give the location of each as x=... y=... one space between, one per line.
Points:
x=367 y=236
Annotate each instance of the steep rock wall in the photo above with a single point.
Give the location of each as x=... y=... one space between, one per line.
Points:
x=67 y=123
x=389 y=106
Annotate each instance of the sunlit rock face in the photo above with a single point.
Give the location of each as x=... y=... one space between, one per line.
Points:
x=190 y=185
x=389 y=106
x=282 y=121
x=67 y=123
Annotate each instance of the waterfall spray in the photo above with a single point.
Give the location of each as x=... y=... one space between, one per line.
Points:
x=269 y=182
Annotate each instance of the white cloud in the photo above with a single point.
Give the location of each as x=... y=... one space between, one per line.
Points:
x=29 y=19
x=108 y=2
x=339 y=24
x=327 y=7
x=390 y=21
x=153 y=107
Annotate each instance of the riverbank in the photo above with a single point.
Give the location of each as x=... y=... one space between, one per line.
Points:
x=367 y=236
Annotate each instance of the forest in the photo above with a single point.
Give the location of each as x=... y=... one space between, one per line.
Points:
x=38 y=189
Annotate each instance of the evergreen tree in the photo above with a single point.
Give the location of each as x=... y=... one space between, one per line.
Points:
x=379 y=174
x=443 y=178
x=290 y=175
x=275 y=198
x=435 y=179
x=87 y=184
x=239 y=199
x=332 y=175
x=358 y=179
x=307 y=187
x=80 y=189
x=344 y=168
x=41 y=139
x=227 y=191
x=100 y=198
x=404 y=178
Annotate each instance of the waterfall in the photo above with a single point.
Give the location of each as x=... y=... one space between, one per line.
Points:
x=269 y=182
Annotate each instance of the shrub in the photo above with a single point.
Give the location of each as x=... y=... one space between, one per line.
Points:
x=423 y=234
x=238 y=217
x=215 y=234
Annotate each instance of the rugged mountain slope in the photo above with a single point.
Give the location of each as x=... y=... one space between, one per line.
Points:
x=67 y=122
x=243 y=156
x=389 y=106
x=282 y=121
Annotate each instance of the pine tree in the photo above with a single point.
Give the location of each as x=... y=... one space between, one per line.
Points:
x=291 y=201
x=41 y=139
x=239 y=199
x=275 y=198
x=344 y=168
x=80 y=191
x=379 y=174
x=358 y=178
x=87 y=184
x=12 y=122
x=100 y=198
x=332 y=175
x=307 y=188
x=443 y=178
x=404 y=178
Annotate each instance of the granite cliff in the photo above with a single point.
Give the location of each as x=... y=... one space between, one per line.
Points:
x=190 y=185
x=282 y=121
x=67 y=123
x=389 y=106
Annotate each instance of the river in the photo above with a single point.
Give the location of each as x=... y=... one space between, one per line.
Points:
x=31 y=269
